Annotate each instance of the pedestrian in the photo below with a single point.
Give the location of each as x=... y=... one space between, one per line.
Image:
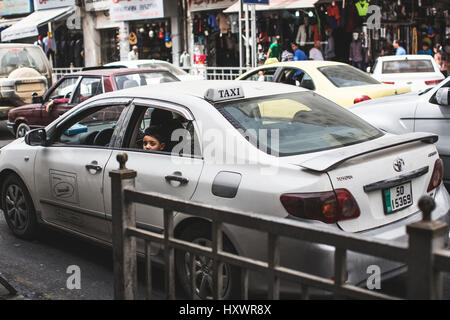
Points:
x=315 y=53
x=329 y=48
x=399 y=50
x=286 y=55
x=425 y=49
x=133 y=54
x=299 y=55
x=274 y=50
x=440 y=58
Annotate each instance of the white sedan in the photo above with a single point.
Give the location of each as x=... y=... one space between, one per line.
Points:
x=156 y=64
x=416 y=71
x=253 y=146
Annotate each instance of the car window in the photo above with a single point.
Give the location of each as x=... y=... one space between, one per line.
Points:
x=407 y=66
x=262 y=75
x=64 y=89
x=125 y=81
x=296 y=123
x=88 y=87
x=346 y=76
x=13 y=58
x=171 y=128
x=91 y=128
x=297 y=77
x=167 y=66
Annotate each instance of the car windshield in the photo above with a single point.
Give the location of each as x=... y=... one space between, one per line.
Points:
x=296 y=123
x=346 y=76
x=13 y=58
x=407 y=66
x=167 y=66
x=124 y=81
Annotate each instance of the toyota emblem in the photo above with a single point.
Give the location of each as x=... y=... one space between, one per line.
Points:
x=399 y=164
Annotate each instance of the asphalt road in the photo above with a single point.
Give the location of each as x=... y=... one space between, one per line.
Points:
x=5 y=136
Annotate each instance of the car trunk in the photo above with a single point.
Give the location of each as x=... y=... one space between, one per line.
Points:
x=373 y=91
x=413 y=80
x=367 y=175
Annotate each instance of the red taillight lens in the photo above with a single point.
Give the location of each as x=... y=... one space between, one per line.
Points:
x=361 y=99
x=437 y=176
x=387 y=82
x=328 y=207
x=431 y=82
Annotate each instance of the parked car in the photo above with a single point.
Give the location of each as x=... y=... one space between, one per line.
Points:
x=427 y=110
x=320 y=170
x=75 y=88
x=24 y=69
x=339 y=82
x=416 y=71
x=158 y=64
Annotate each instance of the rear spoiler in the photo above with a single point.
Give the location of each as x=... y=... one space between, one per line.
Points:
x=334 y=158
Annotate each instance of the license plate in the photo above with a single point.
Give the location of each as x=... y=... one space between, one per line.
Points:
x=397 y=198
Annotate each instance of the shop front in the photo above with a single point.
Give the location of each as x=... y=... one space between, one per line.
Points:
x=150 y=25
x=56 y=26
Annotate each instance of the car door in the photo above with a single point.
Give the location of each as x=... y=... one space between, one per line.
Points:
x=56 y=100
x=431 y=117
x=163 y=172
x=69 y=171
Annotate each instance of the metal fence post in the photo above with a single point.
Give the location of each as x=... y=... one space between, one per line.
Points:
x=425 y=237
x=124 y=247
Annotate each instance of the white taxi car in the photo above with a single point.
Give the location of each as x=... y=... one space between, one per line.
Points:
x=259 y=147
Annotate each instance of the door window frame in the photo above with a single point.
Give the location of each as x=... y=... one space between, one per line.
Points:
x=79 y=84
x=57 y=84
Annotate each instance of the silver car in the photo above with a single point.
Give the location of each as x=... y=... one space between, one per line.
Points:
x=424 y=111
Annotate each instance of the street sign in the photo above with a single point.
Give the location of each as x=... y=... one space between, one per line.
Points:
x=255 y=1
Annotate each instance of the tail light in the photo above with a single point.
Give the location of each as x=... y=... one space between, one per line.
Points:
x=361 y=99
x=437 y=176
x=431 y=82
x=328 y=207
x=387 y=82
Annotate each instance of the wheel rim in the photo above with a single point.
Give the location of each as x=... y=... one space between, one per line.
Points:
x=16 y=207
x=22 y=131
x=204 y=273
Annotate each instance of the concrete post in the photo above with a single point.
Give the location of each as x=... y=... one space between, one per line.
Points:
x=176 y=40
x=425 y=237
x=91 y=40
x=124 y=31
x=124 y=248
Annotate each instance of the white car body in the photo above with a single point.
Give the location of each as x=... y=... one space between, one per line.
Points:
x=263 y=178
x=160 y=64
x=427 y=75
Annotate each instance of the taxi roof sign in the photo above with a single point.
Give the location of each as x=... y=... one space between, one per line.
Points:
x=224 y=93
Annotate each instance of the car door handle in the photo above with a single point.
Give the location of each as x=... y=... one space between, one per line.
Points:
x=182 y=180
x=94 y=166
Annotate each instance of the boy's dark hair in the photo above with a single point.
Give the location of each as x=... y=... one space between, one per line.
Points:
x=157 y=132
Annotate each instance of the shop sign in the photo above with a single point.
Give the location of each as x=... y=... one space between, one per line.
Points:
x=126 y=10
x=199 y=5
x=50 y=4
x=97 y=5
x=11 y=7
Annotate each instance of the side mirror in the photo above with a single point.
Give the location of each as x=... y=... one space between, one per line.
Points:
x=443 y=96
x=36 y=137
x=36 y=99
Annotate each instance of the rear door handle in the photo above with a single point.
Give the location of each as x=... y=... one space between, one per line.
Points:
x=94 y=166
x=182 y=180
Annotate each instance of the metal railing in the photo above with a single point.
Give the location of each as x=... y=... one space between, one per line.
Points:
x=217 y=73
x=425 y=255
x=59 y=72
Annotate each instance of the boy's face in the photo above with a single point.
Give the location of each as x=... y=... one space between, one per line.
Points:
x=152 y=144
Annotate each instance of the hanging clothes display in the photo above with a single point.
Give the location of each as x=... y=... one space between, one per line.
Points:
x=362 y=6
x=334 y=16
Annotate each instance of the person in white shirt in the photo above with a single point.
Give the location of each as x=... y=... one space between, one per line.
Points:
x=133 y=54
x=315 y=53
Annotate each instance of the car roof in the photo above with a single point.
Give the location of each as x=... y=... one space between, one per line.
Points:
x=303 y=63
x=137 y=62
x=114 y=71
x=197 y=89
x=406 y=57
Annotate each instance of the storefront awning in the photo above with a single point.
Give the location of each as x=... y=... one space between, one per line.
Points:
x=277 y=5
x=28 y=26
x=4 y=23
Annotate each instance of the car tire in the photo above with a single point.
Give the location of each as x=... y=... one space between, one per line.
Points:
x=22 y=130
x=200 y=233
x=18 y=208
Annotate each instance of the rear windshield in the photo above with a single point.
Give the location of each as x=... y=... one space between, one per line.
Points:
x=407 y=66
x=296 y=123
x=13 y=58
x=346 y=76
x=138 y=79
x=167 y=66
